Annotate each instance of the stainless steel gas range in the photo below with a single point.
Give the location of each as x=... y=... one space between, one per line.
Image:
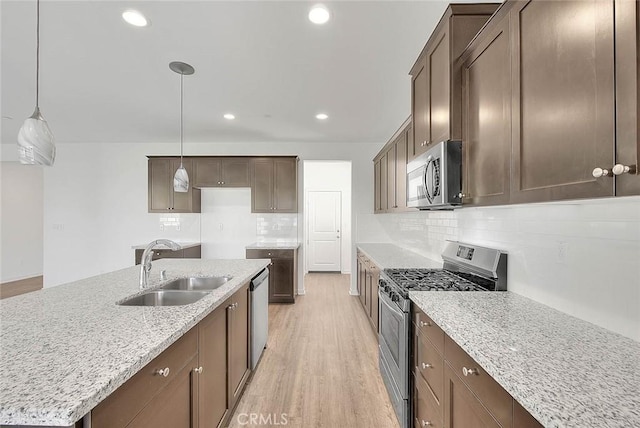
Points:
x=467 y=267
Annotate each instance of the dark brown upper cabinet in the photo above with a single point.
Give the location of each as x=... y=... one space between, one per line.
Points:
x=390 y=173
x=436 y=96
x=274 y=183
x=486 y=111
x=563 y=118
x=162 y=198
x=222 y=172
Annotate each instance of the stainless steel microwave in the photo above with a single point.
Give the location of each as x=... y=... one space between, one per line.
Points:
x=434 y=178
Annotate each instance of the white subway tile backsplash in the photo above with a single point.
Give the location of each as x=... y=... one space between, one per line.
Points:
x=580 y=257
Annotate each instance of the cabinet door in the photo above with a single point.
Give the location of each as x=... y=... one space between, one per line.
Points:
x=439 y=90
x=375 y=275
x=522 y=418
x=174 y=406
x=281 y=281
x=384 y=184
x=262 y=186
x=285 y=189
x=391 y=178
x=377 y=207
x=212 y=385
x=160 y=185
x=401 y=171
x=235 y=172
x=238 y=343
x=487 y=119
x=563 y=105
x=462 y=407
x=362 y=280
x=627 y=21
x=420 y=109
x=207 y=172
x=185 y=202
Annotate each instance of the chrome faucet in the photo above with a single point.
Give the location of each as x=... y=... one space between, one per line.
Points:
x=145 y=263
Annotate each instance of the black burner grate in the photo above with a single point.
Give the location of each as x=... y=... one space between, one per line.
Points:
x=436 y=280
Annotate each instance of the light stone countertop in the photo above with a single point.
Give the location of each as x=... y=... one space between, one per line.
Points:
x=64 y=349
x=387 y=256
x=184 y=245
x=566 y=372
x=273 y=245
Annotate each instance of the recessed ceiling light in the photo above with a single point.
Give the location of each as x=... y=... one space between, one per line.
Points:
x=319 y=14
x=229 y=116
x=135 y=18
x=322 y=116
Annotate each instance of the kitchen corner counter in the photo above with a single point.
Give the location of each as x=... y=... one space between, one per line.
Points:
x=387 y=256
x=64 y=349
x=273 y=245
x=566 y=372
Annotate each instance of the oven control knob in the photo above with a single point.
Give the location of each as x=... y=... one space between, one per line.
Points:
x=387 y=288
x=395 y=297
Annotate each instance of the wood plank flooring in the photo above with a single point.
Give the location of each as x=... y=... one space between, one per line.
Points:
x=15 y=288
x=320 y=368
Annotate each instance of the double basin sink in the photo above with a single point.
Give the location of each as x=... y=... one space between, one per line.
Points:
x=181 y=291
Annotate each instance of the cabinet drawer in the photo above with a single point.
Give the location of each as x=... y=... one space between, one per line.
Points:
x=427 y=412
x=269 y=254
x=492 y=395
x=430 y=366
x=429 y=328
x=123 y=405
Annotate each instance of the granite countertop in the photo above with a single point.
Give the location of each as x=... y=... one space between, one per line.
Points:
x=566 y=372
x=64 y=349
x=164 y=247
x=283 y=245
x=387 y=256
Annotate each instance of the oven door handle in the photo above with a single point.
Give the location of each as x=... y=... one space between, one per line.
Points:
x=383 y=298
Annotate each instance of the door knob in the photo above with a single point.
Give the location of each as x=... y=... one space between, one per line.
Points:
x=599 y=172
x=619 y=169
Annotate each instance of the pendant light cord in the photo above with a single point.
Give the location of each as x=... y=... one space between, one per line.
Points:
x=37 y=52
x=181 y=96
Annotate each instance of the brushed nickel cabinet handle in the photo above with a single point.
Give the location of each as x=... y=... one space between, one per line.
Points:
x=426 y=423
x=469 y=372
x=426 y=366
x=600 y=172
x=425 y=324
x=619 y=169
x=198 y=370
x=163 y=372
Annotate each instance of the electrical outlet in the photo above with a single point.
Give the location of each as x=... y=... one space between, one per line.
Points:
x=58 y=226
x=221 y=226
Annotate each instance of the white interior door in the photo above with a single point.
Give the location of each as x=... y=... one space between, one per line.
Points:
x=324 y=243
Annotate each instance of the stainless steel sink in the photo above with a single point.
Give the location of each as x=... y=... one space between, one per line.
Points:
x=207 y=283
x=165 y=298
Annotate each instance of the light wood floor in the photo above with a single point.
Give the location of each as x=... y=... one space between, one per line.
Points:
x=320 y=367
x=15 y=288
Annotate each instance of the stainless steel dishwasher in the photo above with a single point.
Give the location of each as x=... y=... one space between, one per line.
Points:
x=259 y=315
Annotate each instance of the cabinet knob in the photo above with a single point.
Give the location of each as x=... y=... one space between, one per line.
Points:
x=425 y=324
x=599 y=172
x=219 y=182
x=469 y=372
x=619 y=169
x=268 y=254
x=426 y=423
x=426 y=366
x=163 y=372
x=198 y=370
x=424 y=143
x=222 y=183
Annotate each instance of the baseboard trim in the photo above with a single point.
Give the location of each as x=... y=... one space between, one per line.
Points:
x=22 y=286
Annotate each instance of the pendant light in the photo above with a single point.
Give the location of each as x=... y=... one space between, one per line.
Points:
x=181 y=178
x=35 y=140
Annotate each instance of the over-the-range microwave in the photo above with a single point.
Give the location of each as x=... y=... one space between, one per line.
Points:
x=434 y=178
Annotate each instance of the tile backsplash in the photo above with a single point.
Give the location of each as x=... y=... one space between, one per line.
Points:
x=580 y=257
x=277 y=227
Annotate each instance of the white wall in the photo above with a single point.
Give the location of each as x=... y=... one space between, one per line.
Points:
x=21 y=216
x=581 y=257
x=95 y=200
x=335 y=176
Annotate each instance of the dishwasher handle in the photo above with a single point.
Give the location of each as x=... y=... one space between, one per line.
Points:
x=259 y=279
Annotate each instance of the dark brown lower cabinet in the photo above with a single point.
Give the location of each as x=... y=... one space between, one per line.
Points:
x=206 y=371
x=283 y=272
x=187 y=253
x=367 y=280
x=462 y=408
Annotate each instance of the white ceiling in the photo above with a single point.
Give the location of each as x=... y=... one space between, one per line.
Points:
x=105 y=81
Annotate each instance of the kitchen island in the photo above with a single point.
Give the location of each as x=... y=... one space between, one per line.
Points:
x=64 y=349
